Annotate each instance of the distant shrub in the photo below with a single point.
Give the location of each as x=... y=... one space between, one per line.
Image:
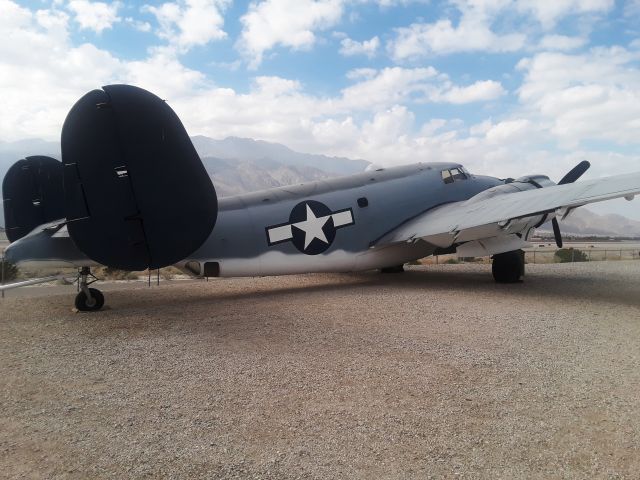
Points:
x=567 y=255
x=10 y=271
x=452 y=261
x=168 y=273
x=469 y=259
x=109 y=273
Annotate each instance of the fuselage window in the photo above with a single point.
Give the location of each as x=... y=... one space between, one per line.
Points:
x=446 y=176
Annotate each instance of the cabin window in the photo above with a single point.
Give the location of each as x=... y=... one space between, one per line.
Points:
x=446 y=176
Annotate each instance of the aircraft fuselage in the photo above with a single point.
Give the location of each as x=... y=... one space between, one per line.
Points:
x=328 y=226
x=323 y=226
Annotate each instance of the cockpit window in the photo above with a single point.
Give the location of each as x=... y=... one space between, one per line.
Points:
x=446 y=176
x=458 y=174
x=449 y=176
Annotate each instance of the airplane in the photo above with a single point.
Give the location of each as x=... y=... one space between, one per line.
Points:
x=131 y=193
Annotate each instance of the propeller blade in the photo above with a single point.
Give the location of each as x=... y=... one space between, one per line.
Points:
x=575 y=173
x=556 y=232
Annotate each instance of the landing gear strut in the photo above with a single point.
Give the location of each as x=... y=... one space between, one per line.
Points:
x=88 y=299
x=508 y=267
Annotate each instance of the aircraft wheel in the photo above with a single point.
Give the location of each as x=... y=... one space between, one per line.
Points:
x=84 y=304
x=396 y=269
x=508 y=267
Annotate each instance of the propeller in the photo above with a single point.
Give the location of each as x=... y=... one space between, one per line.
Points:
x=574 y=174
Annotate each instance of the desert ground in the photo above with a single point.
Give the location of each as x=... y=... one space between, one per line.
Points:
x=434 y=373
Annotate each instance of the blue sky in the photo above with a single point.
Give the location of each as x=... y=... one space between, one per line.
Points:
x=507 y=87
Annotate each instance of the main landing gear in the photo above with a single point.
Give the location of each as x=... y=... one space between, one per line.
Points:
x=88 y=299
x=508 y=267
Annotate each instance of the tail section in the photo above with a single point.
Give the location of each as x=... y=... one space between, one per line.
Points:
x=131 y=186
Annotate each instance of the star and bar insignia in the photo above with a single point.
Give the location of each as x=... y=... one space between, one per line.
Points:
x=311 y=227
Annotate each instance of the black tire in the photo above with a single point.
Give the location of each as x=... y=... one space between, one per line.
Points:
x=84 y=305
x=508 y=267
x=395 y=269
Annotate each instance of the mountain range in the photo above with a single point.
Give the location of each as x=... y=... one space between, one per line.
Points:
x=239 y=165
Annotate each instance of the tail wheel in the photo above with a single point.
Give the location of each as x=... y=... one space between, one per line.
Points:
x=86 y=304
x=508 y=267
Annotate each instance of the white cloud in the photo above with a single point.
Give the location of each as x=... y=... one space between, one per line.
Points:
x=565 y=99
x=471 y=34
x=138 y=24
x=96 y=16
x=349 y=47
x=359 y=73
x=275 y=86
x=482 y=90
x=561 y=42
x=41 y=73
x=509 y=131
x=593 y=96
x=389 y=86
x=162 y=74
x=392 y=85
x=190 y=23
x=548 y=13
x=493 y=26
x=290 y=23
x=632 y=8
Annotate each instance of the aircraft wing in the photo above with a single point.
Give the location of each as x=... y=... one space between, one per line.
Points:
x=486 y=226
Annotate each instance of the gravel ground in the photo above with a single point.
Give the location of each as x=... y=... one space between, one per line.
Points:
x=436 y=372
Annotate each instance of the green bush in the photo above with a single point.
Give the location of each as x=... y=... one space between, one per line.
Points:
x=452 y=261
x=10 y=271
x=567 y=255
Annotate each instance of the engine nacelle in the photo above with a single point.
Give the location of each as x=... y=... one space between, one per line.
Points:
x=524 y=225
x=512 y=186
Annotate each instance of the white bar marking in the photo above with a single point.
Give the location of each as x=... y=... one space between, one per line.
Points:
x=341 y=219
x=279 y=234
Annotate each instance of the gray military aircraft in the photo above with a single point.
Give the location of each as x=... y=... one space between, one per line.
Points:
x=131 y=193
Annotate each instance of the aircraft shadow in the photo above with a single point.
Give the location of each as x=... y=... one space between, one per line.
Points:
x=615 y=290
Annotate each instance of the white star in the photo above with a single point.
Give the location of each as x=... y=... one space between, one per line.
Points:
x=312 y=227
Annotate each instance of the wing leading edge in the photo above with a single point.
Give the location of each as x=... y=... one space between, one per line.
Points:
x=486 y=226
